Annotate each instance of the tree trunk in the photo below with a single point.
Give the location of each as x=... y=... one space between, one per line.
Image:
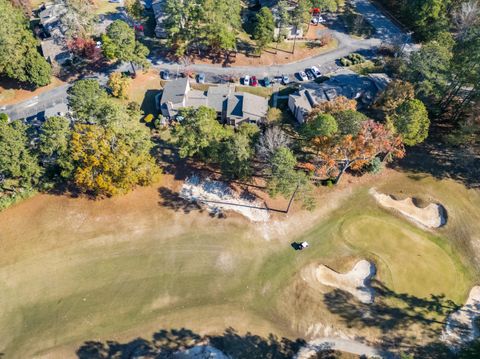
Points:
x=342 y=171
x=133 y=68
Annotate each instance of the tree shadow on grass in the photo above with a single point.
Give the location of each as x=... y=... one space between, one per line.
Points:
x=402 y=312
x=165 y=343
x=173 y=201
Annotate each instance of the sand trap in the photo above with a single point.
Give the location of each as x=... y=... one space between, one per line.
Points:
x=218 y=196
x=200 y=352
x=461 y=326
x=355 y=282
x=432 y=216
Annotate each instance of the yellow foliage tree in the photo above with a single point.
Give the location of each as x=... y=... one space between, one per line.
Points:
x=111 y=160
x=119 y=85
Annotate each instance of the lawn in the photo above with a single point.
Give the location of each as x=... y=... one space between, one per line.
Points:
x=73 y=270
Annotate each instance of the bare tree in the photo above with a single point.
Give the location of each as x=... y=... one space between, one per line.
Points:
x=467 y=16
x=271 y=140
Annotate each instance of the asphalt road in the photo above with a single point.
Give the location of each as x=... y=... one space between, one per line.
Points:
x=386 y=32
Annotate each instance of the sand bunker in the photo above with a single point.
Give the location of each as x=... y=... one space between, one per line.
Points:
x=432 y=216
x=200 y=352
x=218 y=196
x=461 y=326
x=355 y=282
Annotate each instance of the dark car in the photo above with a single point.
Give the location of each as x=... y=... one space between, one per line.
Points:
x=266 y=82
x=165 y=75
x=253 y=81
x=310 y=74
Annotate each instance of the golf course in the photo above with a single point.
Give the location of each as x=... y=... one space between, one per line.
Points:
x=76 y=274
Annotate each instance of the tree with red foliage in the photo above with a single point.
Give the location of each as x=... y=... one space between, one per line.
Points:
x=85 y=49
x=336 y=154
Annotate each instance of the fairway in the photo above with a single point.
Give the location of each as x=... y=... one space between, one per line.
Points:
x=74 y=270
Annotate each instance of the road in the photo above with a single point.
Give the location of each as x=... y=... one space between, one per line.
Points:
x=386 y=32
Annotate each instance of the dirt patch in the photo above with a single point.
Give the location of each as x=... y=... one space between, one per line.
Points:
x=355 y=282
x=461 y=327
x=429 y=215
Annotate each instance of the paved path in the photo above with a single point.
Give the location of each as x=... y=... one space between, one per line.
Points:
x=387 y=31
x=344 y=345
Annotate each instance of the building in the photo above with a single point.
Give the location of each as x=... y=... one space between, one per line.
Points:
x=346 y=83
x=52 y=33
x=232 y=107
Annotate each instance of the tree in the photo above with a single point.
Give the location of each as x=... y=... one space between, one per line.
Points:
x=283 y=17
x=283 y=177
x=236 y=157
x=53 y=144
x=16 y=160
x=110 y=160
x=270 y=141
x=80 y=18
x=338 y=104
x=329 y=5
x=84 y=48
x=119 y=84
x=412 y=122
x=337 y=154
x=134 y=8
x=320 y=124
x=54 y=137
x=264 y=28
x=467 y=16
x=87 y=99
x=396 y=93
x=19 y=59
x=350 y=121
x=429 y=68
x=119 y=44
x=300 y=17
x=428 y=17
x=200 y=133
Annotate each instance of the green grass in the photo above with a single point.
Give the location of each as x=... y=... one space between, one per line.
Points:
x=73 y=270
x=259 y=91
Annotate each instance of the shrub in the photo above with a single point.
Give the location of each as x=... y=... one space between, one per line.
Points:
x=149 y=118
x=329 y=183
x=375 y=166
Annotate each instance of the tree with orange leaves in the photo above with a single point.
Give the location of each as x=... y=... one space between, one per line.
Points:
x=336 y=154
x=339 y=104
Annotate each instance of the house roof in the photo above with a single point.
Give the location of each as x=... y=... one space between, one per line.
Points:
x=254 y=105
x=175 y=91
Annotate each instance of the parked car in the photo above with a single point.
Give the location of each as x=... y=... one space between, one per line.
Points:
x=321 y=20
x=165 y=75
x=266 y=82
x=314 y=21
x=302 y=76
x=246 y=80
x=253 y=81
x=201 y=78
x=310 y=74
x=316 y=71
x=285 y=79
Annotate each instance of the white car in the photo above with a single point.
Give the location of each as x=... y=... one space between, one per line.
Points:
x=316 y=71
x=246 y=80
x=303 y=76
x=321 y=20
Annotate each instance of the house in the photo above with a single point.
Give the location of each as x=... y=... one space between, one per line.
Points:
x=345 y=83
x=52 y=33
x=232 y=107
x=158 y=7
